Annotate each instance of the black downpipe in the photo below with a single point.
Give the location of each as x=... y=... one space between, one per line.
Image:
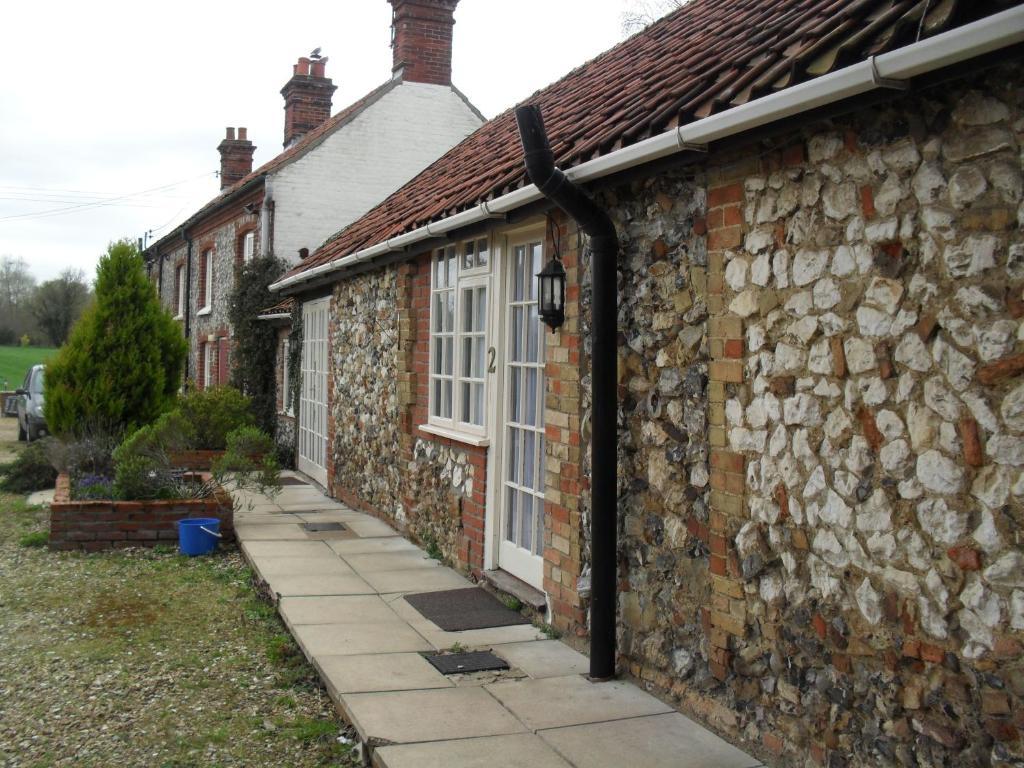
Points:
x=188 y=303
x=604 y=246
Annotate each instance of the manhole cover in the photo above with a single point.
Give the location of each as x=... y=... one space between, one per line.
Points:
x=461 y=663
x=321 y=527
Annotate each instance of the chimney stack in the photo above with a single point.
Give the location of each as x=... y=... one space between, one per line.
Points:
x=421 y=38
x=307 y=98
x=235 y=157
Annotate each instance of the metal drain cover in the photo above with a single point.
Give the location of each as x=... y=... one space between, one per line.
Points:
x=461 y=663
x=322 y=527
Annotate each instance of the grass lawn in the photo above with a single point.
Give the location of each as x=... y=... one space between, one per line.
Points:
x=15 y=362
x=147 y=658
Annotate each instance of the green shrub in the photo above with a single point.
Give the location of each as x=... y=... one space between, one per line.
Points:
x=255 y=350
x=123 y=364
x=171 y=433
x=90 y=453
x=250 y=459
x=212 y=413
x=30 y=471
x=141 y=478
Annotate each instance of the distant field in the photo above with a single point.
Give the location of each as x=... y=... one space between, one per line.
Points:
x=15 y=361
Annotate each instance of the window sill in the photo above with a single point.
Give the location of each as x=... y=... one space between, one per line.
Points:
x=480 y=441
x=204 y=311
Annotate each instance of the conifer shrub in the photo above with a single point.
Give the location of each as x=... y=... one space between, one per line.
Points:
x=122 y=366
x=211 y=414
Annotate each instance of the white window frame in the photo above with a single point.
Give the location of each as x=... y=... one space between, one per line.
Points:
x=207 y=283
x=179 y=278
x=248 y=246
x=207 y=366
x=468 y=274
x=287 y=404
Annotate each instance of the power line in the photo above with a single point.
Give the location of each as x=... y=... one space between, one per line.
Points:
x=101 y=204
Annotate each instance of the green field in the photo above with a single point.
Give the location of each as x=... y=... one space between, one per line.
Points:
x=15 y=362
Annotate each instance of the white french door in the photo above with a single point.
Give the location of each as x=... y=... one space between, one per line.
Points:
x=312 y=438
x=520 y=496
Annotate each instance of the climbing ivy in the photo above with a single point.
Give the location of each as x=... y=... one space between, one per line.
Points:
x=255 y=352
x=295 y=357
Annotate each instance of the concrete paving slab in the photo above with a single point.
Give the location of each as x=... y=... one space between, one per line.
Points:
x=417 y=580
x=358 y=639
x=380 y=672
x=335 y=609
x=371 y=527
x=317 y=585
x=330 y=516
x=389 y=561
x=523 y=750
x=41 y=498
x=661 y=741
x=264 y=518
x=318 y=549
x=256 y=509
x=301 y=566
x=554 y=702
x=545 y=658
x=470 y=638
x=382 y=544
x=479 y=638
x=268 y=532
x=310 y=506
x=438 y=715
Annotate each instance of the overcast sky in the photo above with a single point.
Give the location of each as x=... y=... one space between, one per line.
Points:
x=100 y=102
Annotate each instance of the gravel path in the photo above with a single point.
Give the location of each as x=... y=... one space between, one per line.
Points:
x=142 y=658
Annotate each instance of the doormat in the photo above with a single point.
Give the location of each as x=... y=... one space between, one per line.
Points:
x=292 y=481
x=455 y=610
x=322 y=527
x=461 y=663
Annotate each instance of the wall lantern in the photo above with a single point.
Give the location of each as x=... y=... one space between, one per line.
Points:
x=552 y=293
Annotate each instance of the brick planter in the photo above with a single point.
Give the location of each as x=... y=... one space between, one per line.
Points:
x=200 y=461
x=96 y=525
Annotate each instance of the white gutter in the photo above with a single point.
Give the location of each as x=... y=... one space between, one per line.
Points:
x=276 y=316
x=890 y=70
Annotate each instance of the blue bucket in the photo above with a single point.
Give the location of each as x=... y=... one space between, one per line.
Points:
x=198 y=535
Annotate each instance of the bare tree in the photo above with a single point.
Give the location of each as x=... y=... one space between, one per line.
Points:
x=642 y=13
x=16 y=287
x=58 y=303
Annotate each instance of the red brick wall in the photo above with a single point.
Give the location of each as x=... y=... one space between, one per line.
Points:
x=423 y=40
x=307 y=99
x=470 y=545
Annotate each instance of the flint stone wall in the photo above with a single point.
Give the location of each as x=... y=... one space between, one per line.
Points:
x=870 y=601
x=365 y=407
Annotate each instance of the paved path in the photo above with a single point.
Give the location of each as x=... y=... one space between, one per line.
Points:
x=341 y=595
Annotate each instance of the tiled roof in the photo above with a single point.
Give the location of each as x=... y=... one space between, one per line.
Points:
x=285 y=306
x=312 y=139
x=706 y=57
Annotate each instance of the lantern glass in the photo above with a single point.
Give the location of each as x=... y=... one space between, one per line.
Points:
x=552 y=293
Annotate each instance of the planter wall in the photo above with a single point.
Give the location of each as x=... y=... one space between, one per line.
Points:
x=95 y=525
x=197 y=460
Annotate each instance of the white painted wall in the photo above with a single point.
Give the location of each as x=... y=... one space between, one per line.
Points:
x=364 y=161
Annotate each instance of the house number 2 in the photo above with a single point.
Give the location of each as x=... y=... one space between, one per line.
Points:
x=490 y=359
